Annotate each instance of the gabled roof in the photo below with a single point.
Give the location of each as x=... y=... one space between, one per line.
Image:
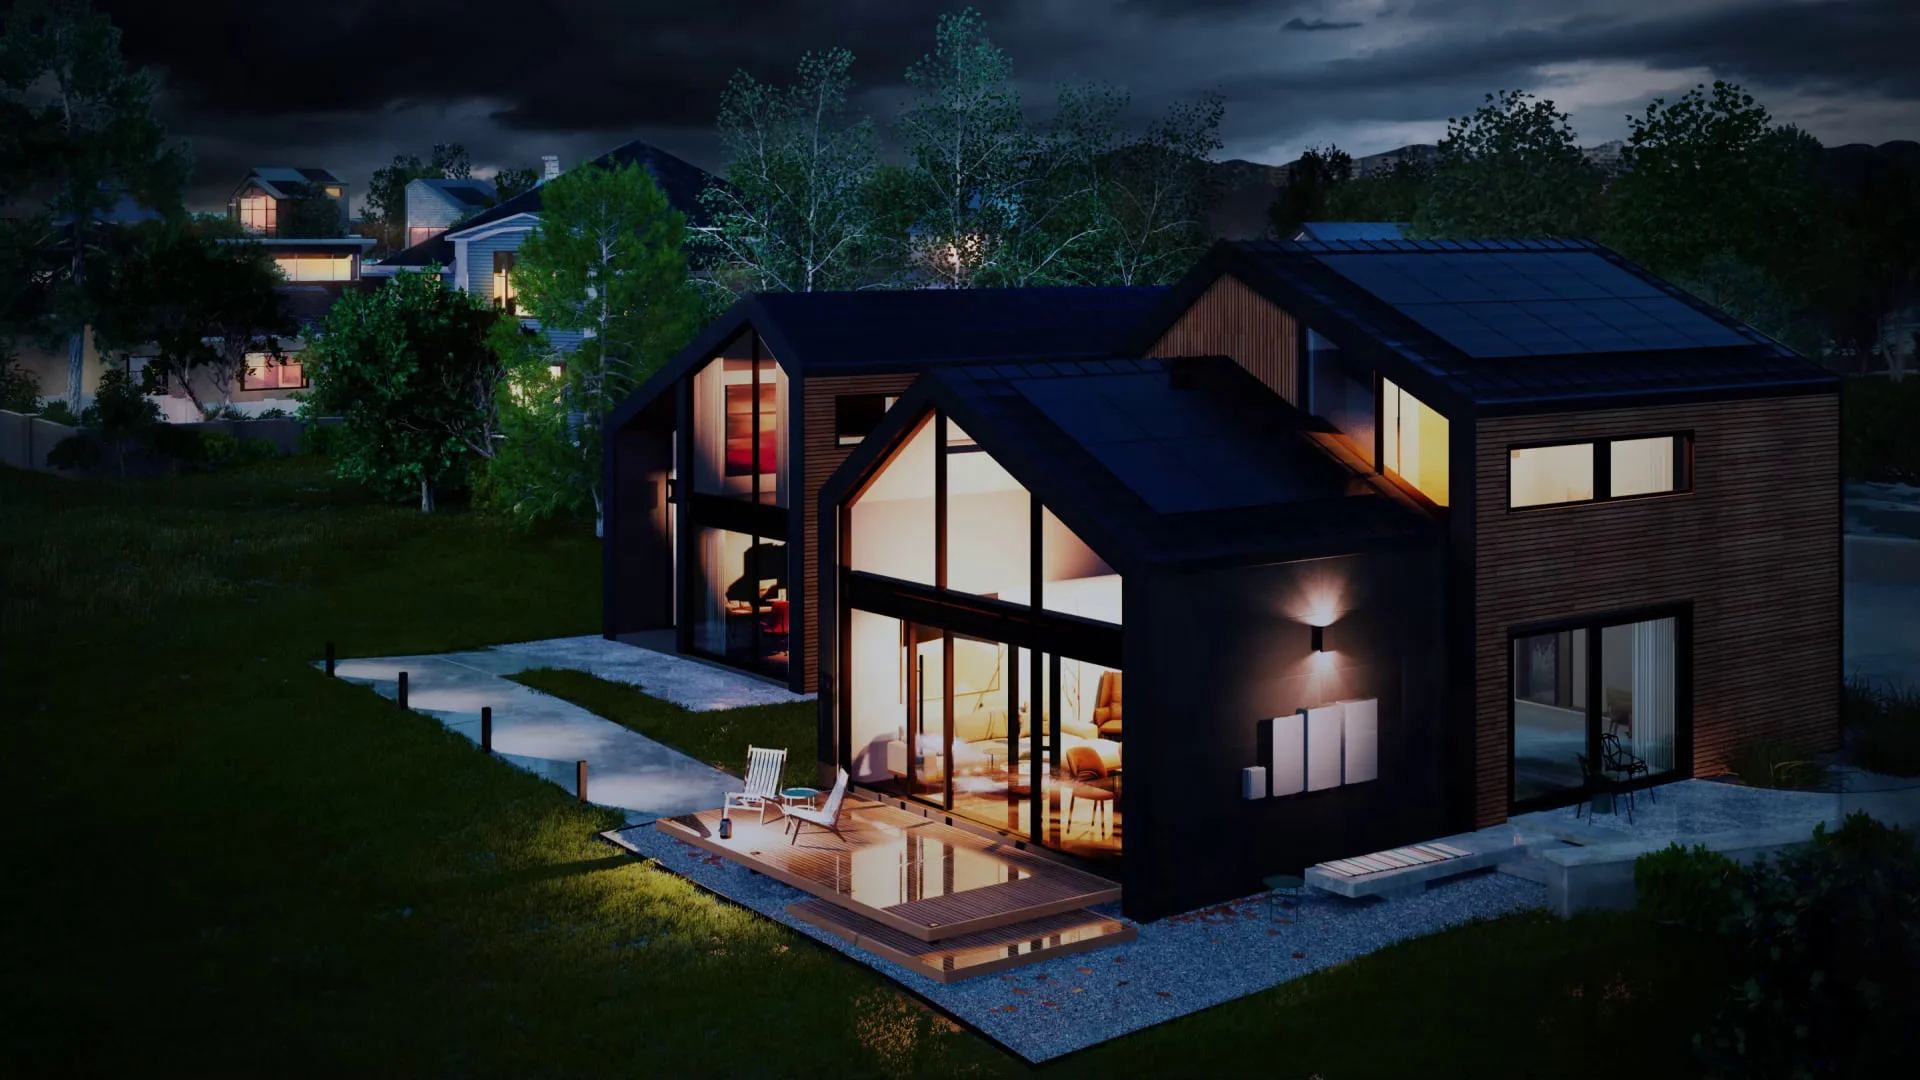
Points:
x=1187 y=462
x=286 y=183
x=434 y=250
x=682 y=183
x=1349 y=230
x=465 y=191
x=1506 y=325
x=880 y=330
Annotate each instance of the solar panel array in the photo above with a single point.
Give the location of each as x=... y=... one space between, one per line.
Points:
x=1172 y=448
x=1532 y=303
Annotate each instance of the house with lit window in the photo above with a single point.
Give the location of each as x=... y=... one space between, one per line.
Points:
x=435 y=205
x=713 y=467
x=476 y=253
x=1352 y=545
x=256 y=204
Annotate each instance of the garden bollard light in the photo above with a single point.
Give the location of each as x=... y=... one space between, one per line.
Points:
x=329 y=659
x=580 y=778
x=403 y=689
x=486 y=729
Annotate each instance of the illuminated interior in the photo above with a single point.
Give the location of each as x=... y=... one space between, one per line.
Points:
x=1603 y=693
x=1546 y=475
x=420 y=234
x=740 y=602
x=315 y=267
x=1641 y=466
x=259 y=214
x=905 y=680
x=1413 y=441
x=503 y=292
x=738 y=405
x=262 y=373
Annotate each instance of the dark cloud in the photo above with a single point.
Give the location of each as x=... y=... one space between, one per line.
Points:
x=1298 y=23
x=349 y=83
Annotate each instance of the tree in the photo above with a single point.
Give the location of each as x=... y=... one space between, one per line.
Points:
x=121 y=412
x=205 y=296
x=606 y=259
x=385 y=212
x=793 y=214
x=1393 y=192
x=1511 y=170
x=1307 y=193
x=540 y=469
x=310 y=214
x=1150 y=193
x=78 y=124
x=410 y=370
x=515 y=181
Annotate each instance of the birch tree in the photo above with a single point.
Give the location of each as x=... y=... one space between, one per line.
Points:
x=1153 y=193
x=606 y=261
x=793 y=214
x=78 y=124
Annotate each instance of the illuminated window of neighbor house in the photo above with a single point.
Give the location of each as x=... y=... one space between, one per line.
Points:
x=503 y=281
x=259 y=214
x=316 y=267
x=264 y=373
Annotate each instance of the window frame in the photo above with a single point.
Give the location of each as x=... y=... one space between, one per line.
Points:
x=840 y=437
x=285 y=359
x=504 y=297
x=1683 y=459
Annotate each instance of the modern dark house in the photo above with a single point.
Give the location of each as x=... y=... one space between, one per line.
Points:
x=1422 y=531
x=714 y=466
x=255 y=204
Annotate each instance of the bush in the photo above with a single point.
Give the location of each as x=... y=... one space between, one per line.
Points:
x=317 y=438
x=275 y=413
x=185 y=444
x=80 y=450
x=1880 y=438
x=221 y=449
x=1884 y=736
x=254 y=450
x=1692 y=888
x=57 y=412
x=19 y=388
x=1770 y=763
x=1825 y=948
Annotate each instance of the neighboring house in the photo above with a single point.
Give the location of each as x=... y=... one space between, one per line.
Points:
x=1348 y=230
x=478 y=254
x=255 y=204
x=758 y=411
x=436 y=205
x=1420 y=529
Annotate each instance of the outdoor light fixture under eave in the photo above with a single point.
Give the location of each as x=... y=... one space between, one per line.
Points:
x=1319 y=638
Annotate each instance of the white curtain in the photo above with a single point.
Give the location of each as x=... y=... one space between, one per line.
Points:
x=710 y=428
x=780 y=435
x=710 y=616
x=1653 y=693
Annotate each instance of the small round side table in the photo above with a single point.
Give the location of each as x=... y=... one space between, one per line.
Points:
x=796 y=795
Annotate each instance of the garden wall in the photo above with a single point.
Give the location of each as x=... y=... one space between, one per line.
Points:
x=25 y=440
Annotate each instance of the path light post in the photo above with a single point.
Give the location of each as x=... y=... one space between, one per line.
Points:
x=403 y=690
x=580 y=778
x=329 y=659
x=486 y=729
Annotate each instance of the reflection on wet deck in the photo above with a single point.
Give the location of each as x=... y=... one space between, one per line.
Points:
x=970 y=955
x=909 y=874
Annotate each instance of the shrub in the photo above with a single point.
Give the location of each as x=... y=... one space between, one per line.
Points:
x=221 y=449
x=19 y=388
x=317 y=438
x=254 y=450
x=57 y=412
x=1693 y=888
x=185 y=444
x=80 y=450
x=275 y=413
x=1825 y=948
x=1770 y=763
x=1886 y=738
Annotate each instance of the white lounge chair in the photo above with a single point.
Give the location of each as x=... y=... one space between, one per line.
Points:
x=827 y=817
x=764 y=770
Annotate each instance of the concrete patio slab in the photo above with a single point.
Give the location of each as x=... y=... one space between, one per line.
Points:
x=1485 y=848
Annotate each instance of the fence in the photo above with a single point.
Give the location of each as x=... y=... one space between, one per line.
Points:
x=25 y=440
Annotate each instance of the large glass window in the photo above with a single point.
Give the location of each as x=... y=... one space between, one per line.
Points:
x=740 y=602
x=315 y=267
x=1339 y=395
x=1643 y=466
x=1595 y=701
x=1075 y=580
x=263 y=372
x=739 y=407
x=892 y=520
x=259 y=214
x=989 y=524
x=1413 y=441
x=1546 y=475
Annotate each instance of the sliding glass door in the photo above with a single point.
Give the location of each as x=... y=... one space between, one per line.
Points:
x=1603 y=699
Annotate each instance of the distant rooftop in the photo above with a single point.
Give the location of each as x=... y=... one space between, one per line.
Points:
x=1348 y=230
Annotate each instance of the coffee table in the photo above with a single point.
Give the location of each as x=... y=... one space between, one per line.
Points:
x=799 y=796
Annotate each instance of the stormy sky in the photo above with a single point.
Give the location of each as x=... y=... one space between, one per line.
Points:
x=346 y=84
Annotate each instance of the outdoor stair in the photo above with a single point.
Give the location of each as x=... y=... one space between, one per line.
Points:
x=1476 y=851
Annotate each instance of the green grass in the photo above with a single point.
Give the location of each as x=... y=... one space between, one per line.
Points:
x=1883 y=728
x=219 y=862
x=720 y=739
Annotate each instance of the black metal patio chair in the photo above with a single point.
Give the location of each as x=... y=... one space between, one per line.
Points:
x=1600 y=782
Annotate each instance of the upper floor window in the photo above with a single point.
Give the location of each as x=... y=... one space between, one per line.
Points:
x=856 y=415
x=503 y=295
x=420 y=234
x=1597 y=470
x=1339 y=394
x=259 y=214
x=1413 y=441
x=263 y=373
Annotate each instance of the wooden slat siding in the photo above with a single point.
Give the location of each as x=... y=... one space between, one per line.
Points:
x=818 y=864
x=1230 y=319
x=823 y=456
x=1755 y=547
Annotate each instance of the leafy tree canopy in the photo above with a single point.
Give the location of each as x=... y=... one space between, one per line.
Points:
x=309 y=215
x=385 y=212
x=1307 y=193
x=1392 y=192
x=409 y=369
x=515 y=181
x=1512 y=169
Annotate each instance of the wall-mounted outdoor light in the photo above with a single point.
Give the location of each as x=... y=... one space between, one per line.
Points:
x=1319 y=638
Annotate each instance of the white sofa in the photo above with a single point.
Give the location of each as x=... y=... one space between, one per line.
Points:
x=980 y=730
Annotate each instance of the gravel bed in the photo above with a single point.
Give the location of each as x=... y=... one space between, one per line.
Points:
x=1176 y=966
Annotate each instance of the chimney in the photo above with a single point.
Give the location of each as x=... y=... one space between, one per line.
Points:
x=549 y=167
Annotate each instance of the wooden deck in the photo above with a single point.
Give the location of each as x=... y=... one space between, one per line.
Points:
x=929 y=881
x=968 y=956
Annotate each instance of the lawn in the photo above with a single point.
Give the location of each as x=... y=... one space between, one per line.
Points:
x=220 y=862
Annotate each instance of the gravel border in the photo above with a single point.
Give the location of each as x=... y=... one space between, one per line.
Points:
x=1176 y=966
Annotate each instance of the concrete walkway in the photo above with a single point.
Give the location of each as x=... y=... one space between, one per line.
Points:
x=546 y=736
